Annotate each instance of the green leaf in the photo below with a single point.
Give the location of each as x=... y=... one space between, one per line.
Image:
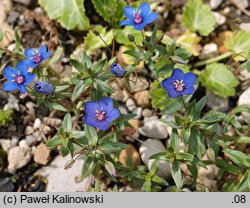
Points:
x=55 y=106
x=239 y=43
x=91 y=134
x=174 y=140
x=54 y=142
x=198 y=17
x=57 y=56
x=104 y=86
x=93 y=42
x=88 y=166
x=71 y=14
x=109 y=166
x=238 y=157
x=67 y=123
x=159 y=180
x=184 y=156
x=78 y=90
x=1 y=34
x=227 y=167
x=105 y=8
x=110 y=147
x=121 y=36
x=176 y=174
x=244 y=182
x=219 y=79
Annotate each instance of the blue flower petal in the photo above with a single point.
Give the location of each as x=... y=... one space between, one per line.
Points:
x=104 y=125
x=129 y=12
x=169 y=87
x=46 y=55
x=114 y=114
x=90 y=108
x=150 y=18
x=140 y=26
x=189 y=79
x=106 y=103
x=144 y=8
x=29 y=78
x=29 y=53
x=22 y=88
x=22 y=67
x=42 y=50
x=9 y=73
x=127 y=22
x=9 y=86
x=188 y=90
x=177 y=74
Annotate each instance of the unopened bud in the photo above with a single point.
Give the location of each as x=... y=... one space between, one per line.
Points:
x=131 y=37
x=69 y=164
x=238 y=21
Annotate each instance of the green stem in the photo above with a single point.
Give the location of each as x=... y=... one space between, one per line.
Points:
x=183 y=102
x=215 y=59
x=142 y=33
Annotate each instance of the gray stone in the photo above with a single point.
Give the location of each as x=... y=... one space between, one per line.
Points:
x=155 y=129
x=219 y=18
x=30 y=139
x=7 y=144
x=61 y=180
x=12 y=103
x=138 y=85
x=243 y=3
x=244 y=99
x=37 y=123
x=150 y=147
x=18 y=157
x=147 y=112
x=138 y=112
x=23 y=144
x=123 y=110
x=29 y=130
x=217 y=102
x=214 y=4
x=130 y=104
x=151 y=118
x=209 y=50
x=245 y=26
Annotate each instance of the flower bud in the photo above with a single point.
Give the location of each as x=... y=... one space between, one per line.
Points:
x=117 y=70
x=131 y=37
x=44 y=88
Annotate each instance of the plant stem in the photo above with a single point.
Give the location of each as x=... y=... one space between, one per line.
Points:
x=142 y=33
x=183 y=102
x=105 y=44
x=113 y=32
x=215 y=59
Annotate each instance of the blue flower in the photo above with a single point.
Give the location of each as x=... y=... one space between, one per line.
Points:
x=179 y=83
x=138 y=18
x=35 y=57
x=17 y=78
x=117 y=70
x=44 y=88
x=100 y=114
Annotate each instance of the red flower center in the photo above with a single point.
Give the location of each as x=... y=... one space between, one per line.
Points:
x=100 y=115
x=179 y=86
x=137 y=17
x=19 y=79
x=37 y=58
